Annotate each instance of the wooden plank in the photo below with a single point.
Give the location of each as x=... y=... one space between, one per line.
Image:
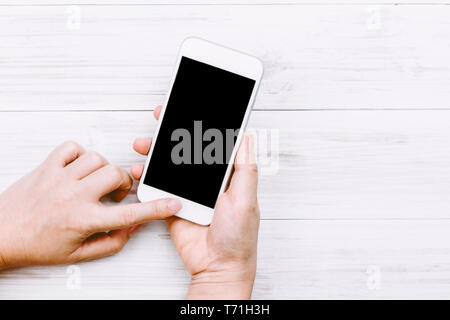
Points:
x=297 y=260
x=209 y=2
x=332 y=165
x=316 y=56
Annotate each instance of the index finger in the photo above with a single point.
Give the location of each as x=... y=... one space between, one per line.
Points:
x=106 y=180
x=66 y=153
x=119 y=217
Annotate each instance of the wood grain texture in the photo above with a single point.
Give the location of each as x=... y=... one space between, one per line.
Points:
x=211 y=2
x=297 y=260
x=316 y=57
x=363 y=179
x=332 y=165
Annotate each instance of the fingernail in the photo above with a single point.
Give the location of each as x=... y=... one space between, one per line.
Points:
x=174 y=205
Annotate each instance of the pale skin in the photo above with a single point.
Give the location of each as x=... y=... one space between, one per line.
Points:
x=54 y=216
x=221 y=258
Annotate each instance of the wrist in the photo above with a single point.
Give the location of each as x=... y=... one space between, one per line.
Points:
x=6 y=256
x=234 y=283
x=3 y=265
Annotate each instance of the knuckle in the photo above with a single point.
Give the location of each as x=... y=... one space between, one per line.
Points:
x=239 y=167
x=128 y=216
x=75 y=226
x=115 y=173
x=161 y=207
x=63 y=199
x=94 y=221
x=71 y=146
x=247 y=207
x=64 y=196
x=247 y=167
x=253 y=168
x=96 y=158
x=65 y=149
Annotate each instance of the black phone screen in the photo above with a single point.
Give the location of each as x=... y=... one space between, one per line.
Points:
x=203 y=116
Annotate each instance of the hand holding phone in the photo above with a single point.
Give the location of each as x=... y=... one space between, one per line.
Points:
x=202 y=122
x=222 y=257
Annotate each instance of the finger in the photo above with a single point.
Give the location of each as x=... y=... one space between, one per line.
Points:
x=244 y=182
x=177 y=225
x=229 y=180
x=106 y=180
x=157 y=112
x=142 y=145
x=134 y=229
x=119 y=217
x=66 y=153
x=182 y=230
x=136 y=171
x=88 y=163
x=103 y=245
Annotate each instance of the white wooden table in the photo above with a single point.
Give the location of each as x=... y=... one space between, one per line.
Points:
x=359 y=94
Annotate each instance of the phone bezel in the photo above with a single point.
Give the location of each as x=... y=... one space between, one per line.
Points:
x=223 y=58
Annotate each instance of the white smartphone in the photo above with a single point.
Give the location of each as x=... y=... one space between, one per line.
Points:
x=200 y=127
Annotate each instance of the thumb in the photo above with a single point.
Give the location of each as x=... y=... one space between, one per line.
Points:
x=244 y=182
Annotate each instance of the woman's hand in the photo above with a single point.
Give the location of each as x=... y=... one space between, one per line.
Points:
x=222 y=257
x=54 y=214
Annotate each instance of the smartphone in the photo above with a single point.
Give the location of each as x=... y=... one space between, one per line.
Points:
x=200 y=127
